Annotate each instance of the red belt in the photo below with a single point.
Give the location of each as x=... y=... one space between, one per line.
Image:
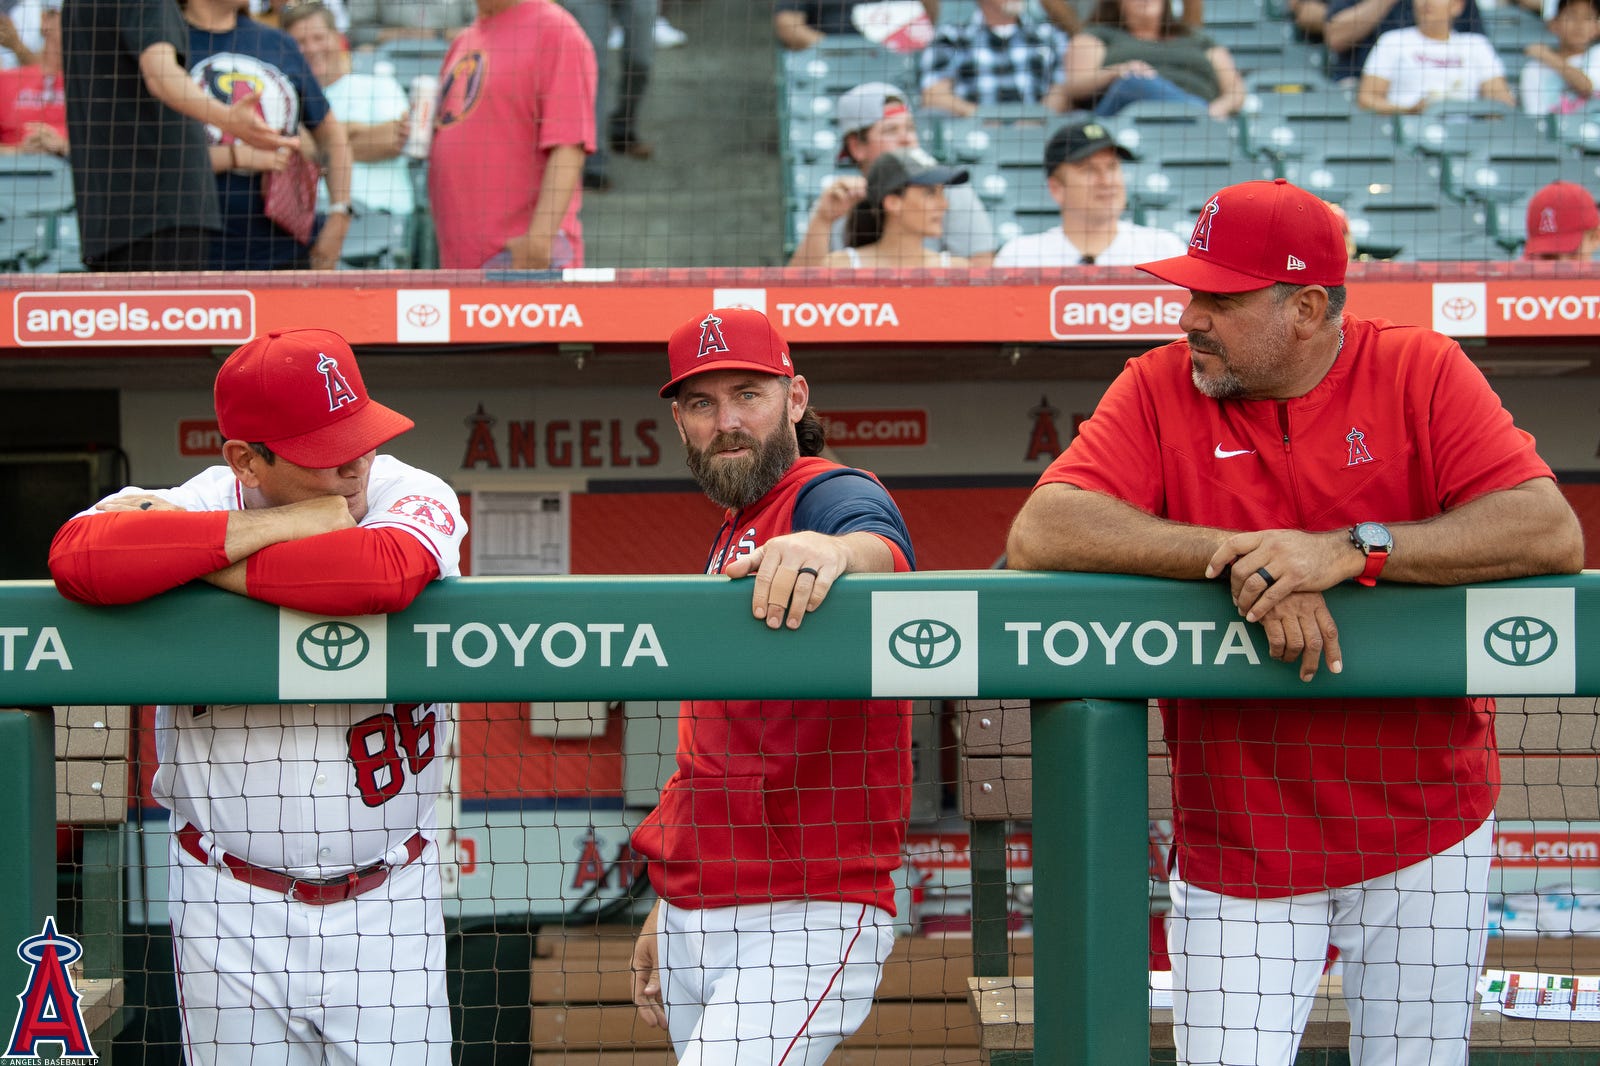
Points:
x=317 y=893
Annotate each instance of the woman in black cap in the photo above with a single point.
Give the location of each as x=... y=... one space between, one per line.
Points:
x=904 y=206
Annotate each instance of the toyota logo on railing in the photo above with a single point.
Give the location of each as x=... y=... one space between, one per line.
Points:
x=332 y=646
x=1520 y=640
x=924 y=643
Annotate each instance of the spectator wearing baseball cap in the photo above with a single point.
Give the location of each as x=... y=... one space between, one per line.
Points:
x=904 y=208
x=801 y=898
x=1563 y=224
x=871 y=119
x=303 y=513
x=1283 y=447
x=1083 y=170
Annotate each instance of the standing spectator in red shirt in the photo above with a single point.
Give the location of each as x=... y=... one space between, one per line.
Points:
x=515 y=122
x=33 y=103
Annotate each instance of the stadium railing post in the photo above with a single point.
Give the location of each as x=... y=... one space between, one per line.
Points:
x=1091 y=881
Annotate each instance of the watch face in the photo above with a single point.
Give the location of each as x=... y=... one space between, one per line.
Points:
x=1373 y=536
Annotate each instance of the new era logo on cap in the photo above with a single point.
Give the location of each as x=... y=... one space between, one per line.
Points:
x=1295 y=264
x=729 y=338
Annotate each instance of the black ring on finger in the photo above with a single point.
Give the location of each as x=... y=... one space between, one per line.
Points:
x=807 y=570
x=1266 y=576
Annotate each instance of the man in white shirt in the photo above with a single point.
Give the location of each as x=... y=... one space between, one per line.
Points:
x=373 y=108
x=1083 y=168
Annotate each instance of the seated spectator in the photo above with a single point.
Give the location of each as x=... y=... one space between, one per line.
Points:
x=873 y=119
x=1410 y=69
x=1564 y=77
x=801 y=24
x=375 y=21
x=1083 y=167
x=1563 y=224
x=1135 y=50
x=1354 y=26
x=1000 y=56
x=373 y=109
x=33 y=103
x=228 y=54
x=904 y=207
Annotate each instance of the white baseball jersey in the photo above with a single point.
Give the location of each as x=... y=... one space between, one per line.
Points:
x=314 y=790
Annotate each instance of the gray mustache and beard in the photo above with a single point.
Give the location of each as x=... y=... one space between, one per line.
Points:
x=737 y=483
x=1225 y=384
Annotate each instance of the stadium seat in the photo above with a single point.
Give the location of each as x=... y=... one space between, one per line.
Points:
x=1483 y=176
x=1427 y=245
x=1001 y=132
x=1579 y=130
x=1286 y=81
x=1316 y=125
x=1026 y=189
x=1263 y=43
x=1162 y=183
x=1460 y=127
x=24 y=242
x=34 y=185
x=1229 y=14
x=1398 y=223
x=1201 y=138
x=377 y=240
x=839 y=63
x=1508 y=222
x=1339 y=180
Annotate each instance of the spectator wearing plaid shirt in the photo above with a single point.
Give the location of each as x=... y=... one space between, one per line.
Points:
x=1000 y=56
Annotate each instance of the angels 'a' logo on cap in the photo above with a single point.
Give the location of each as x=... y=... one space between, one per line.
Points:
x=1547 y=221
x=711 y=337
x=339 y=390
x=1295 y=263
x=1201 y=237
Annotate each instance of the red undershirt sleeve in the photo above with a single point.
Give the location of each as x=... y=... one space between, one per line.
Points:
x=350 y=572
x=125 y=557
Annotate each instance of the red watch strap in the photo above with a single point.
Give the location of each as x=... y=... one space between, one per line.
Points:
x=1375 y=561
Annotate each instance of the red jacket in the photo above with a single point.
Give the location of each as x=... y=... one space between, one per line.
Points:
x=1289 y=796
x=785 y=799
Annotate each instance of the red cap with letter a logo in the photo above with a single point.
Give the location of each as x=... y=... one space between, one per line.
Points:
x=1256 y=234
x=299 y=392
x=729 y=338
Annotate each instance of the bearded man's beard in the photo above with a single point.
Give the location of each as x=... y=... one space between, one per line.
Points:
x=737 y=483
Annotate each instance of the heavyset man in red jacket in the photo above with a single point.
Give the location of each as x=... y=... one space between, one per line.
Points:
x=1272 y=445
x=774 y=841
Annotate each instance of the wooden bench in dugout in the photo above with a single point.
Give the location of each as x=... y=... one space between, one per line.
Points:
x=582 y=1005
x=1549 y=770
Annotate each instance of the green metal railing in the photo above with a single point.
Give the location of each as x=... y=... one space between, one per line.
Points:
x=1074 y=644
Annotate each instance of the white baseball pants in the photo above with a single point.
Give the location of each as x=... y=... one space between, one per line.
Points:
x=1245 y=971
x=266 y=981
x=776 y=984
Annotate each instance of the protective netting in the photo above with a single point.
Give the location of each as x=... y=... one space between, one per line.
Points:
x=638 y=133
x=544 y=893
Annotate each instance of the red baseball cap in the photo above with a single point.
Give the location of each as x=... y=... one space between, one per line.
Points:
x=1558 y=216
x=1256 y=234
x=729 y=338
x=299 y=392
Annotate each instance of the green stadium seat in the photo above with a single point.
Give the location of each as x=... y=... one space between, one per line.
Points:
x=407 y=59
x=1339 y=180
x=34 y=185
x=377 y=240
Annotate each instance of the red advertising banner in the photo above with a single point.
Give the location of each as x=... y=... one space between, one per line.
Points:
x=643 y=307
